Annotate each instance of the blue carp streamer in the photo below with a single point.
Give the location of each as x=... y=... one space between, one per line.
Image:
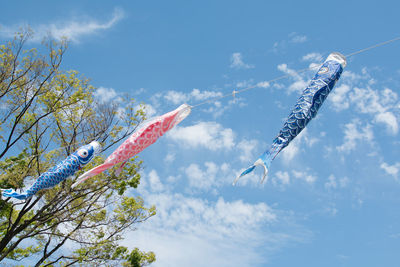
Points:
x=304 y=111
x=60 y=172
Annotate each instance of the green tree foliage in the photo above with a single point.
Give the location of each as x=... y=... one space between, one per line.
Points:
x=46 y=114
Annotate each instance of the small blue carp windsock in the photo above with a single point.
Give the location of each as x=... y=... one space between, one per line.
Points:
x=305 y=110
x=60 y=172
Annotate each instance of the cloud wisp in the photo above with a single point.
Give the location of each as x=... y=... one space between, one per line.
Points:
x=73 y=30
x=284 y=178
x=210 y=135
x=187 y=228
x=211 y=232
x=177 y=97
x=355 y=132
x=392 y=170
x=357 y=91
x=237 y=62
x=299 y=83
x=293 y=38
x=297 y=38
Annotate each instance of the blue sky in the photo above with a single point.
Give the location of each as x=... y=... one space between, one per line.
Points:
x=331 y=198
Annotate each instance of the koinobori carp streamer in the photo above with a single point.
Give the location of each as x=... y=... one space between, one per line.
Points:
x=304 y=111
x=60 y=172
x=139 y=140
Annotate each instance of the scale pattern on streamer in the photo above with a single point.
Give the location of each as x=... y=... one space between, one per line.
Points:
x=310 y=101
x=138 y=141
x=141 y=139
x=60 y=172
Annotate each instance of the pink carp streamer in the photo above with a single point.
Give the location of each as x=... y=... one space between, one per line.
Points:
x=139 y=140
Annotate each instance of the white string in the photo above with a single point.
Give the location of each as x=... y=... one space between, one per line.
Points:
x=235 y=92
x=289 y=75
x=374 y=46
x=249 y=88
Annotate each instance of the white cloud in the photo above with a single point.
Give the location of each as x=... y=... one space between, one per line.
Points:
x=170 y=157
x=237 y=62
x=210 y=135
x=310 y=141
x=246 y=149
x=150 y=110
x=293 y=38
x=284 y=68
x=388 y=119
x=313 y=57
x=299 y=83
x=354 y=78
x=331 y=183
x=140 y=91
x=334 y=183
x=73 y=29
x=105 y=94
x=339 y=97
x=302 y=175
x=264 y=84
x=298 y=86
x=176 y=97
x=198 y=95
x=213 y=176
x=216 y=109
x=289 y=152
x=283 y=177
x=195 y=232
x=331 y=209
x=214 y=106
x=297 y=38
x=155 y=183
x=371 y=101
x=355 y=131
x=245 y=83
x=356 y=91
x=392 y=170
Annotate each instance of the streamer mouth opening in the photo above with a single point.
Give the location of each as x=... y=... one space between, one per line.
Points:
x=96 y=147
x=183 y=111
x=338 y=57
